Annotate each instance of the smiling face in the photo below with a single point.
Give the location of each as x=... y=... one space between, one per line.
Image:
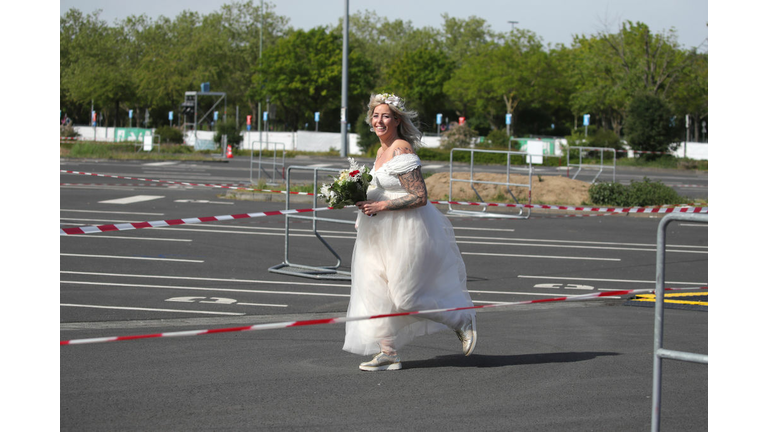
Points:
x=384 y=123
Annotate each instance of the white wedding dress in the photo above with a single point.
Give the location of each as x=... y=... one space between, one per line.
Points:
x=403 y=261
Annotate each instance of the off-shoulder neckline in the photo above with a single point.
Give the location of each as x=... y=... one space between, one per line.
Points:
x=393 y=158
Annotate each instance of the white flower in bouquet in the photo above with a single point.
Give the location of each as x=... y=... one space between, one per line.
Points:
x=349 y=187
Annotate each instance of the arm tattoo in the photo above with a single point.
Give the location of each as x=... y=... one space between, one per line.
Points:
x=402 y=150
x=413 y=183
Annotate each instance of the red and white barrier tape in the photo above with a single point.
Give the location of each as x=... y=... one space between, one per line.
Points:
x=111 y=184
x=533 y=206
x=588 y=209
x=172 y=222
x=281 y=325
x=220 y=186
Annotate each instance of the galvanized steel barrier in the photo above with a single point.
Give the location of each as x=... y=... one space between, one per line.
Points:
x=330 y=272
x=275 y=164
x=600 y=167
x=472 y=181
x=659 y=352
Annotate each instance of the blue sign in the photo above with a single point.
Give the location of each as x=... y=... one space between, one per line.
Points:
x=215 y=115
x=509 y=119
x=317 y=116
x=170 y=115
x=439 y=119
x=586 y=119
x=130 y=113
x=266 y=115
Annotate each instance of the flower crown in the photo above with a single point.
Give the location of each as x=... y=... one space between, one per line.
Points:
x=392 y=100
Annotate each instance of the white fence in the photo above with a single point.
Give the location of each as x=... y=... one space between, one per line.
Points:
x=325 y=141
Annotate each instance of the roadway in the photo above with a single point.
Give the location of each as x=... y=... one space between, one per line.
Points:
x=551 y=366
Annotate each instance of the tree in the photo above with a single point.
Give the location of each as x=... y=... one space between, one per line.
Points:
x=648 y=126
x=500 y=78
x=690 y=93
x=302 y=74
x=464 y=38
x=650 y=62
x=610 y=69
x=242 y=24
x=97 y=62
x=598 y=83
x=418 y=77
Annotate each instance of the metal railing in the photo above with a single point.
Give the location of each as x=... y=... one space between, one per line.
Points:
x=659 y=352
x=275 y=163
x=472 y=182
x=600 y=167
x=330 y=272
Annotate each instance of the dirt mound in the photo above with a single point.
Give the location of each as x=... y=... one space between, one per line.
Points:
x=552 y=190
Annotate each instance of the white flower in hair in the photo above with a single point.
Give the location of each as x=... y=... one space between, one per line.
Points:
x=393 y=100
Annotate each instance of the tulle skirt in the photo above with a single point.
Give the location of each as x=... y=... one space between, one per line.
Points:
x=404 y=261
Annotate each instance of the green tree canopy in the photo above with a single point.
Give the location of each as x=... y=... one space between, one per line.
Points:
x=649 y=124
x=301 y=74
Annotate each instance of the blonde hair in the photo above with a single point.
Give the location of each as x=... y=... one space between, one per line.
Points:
x=406 y=129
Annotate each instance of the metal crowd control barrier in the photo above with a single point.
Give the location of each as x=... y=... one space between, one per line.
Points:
x=330 y=272
x=600 y=167
x=659 y=352
x=472 y=182
x=275 y=164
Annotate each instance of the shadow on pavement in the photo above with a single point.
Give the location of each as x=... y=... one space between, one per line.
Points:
x=483 y=361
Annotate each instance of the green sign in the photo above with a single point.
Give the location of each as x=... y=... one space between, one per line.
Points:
x=131 y=134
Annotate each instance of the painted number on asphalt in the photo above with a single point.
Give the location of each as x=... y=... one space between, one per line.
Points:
x=214 y=300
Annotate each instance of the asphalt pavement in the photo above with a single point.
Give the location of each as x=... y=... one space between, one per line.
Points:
x=552 y=366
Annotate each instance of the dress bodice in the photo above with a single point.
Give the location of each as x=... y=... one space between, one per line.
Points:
x=386 y=177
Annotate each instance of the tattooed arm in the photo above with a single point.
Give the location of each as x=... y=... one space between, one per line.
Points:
x=413 y=183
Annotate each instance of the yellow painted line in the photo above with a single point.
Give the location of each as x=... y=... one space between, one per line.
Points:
x=667 y=298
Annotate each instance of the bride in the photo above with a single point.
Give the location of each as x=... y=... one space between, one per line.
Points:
x=405 y=257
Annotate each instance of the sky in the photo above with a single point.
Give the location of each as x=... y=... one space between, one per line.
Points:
x=555 y=21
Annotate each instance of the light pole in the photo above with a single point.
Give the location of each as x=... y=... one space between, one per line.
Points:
x=344 y=84
x=513 y=24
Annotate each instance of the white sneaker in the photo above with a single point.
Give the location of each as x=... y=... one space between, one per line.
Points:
x=382 y=362
x=468 y=336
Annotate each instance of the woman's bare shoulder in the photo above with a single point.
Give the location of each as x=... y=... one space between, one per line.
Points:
x=401 y=146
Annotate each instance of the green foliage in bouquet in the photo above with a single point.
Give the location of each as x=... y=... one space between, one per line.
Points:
x=349 y=187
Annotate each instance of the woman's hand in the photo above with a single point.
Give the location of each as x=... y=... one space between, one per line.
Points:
x=369 y=208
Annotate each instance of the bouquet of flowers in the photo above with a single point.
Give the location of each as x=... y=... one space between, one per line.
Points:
x=349 y=187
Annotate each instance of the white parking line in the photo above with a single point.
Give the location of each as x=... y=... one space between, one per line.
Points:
x=205 y=289
x=130 y=258
x=484 y=229
x=248 y=281
x=580 y=242
x=541 y=256
x=132 y=199
x=150 y=309
x=161 y=163
x=111 y=212
x=128 y=238
x=576 y=247
x=519 y=293
x=610 y=280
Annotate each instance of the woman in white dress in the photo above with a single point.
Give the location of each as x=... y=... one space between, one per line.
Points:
x=405 y=257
